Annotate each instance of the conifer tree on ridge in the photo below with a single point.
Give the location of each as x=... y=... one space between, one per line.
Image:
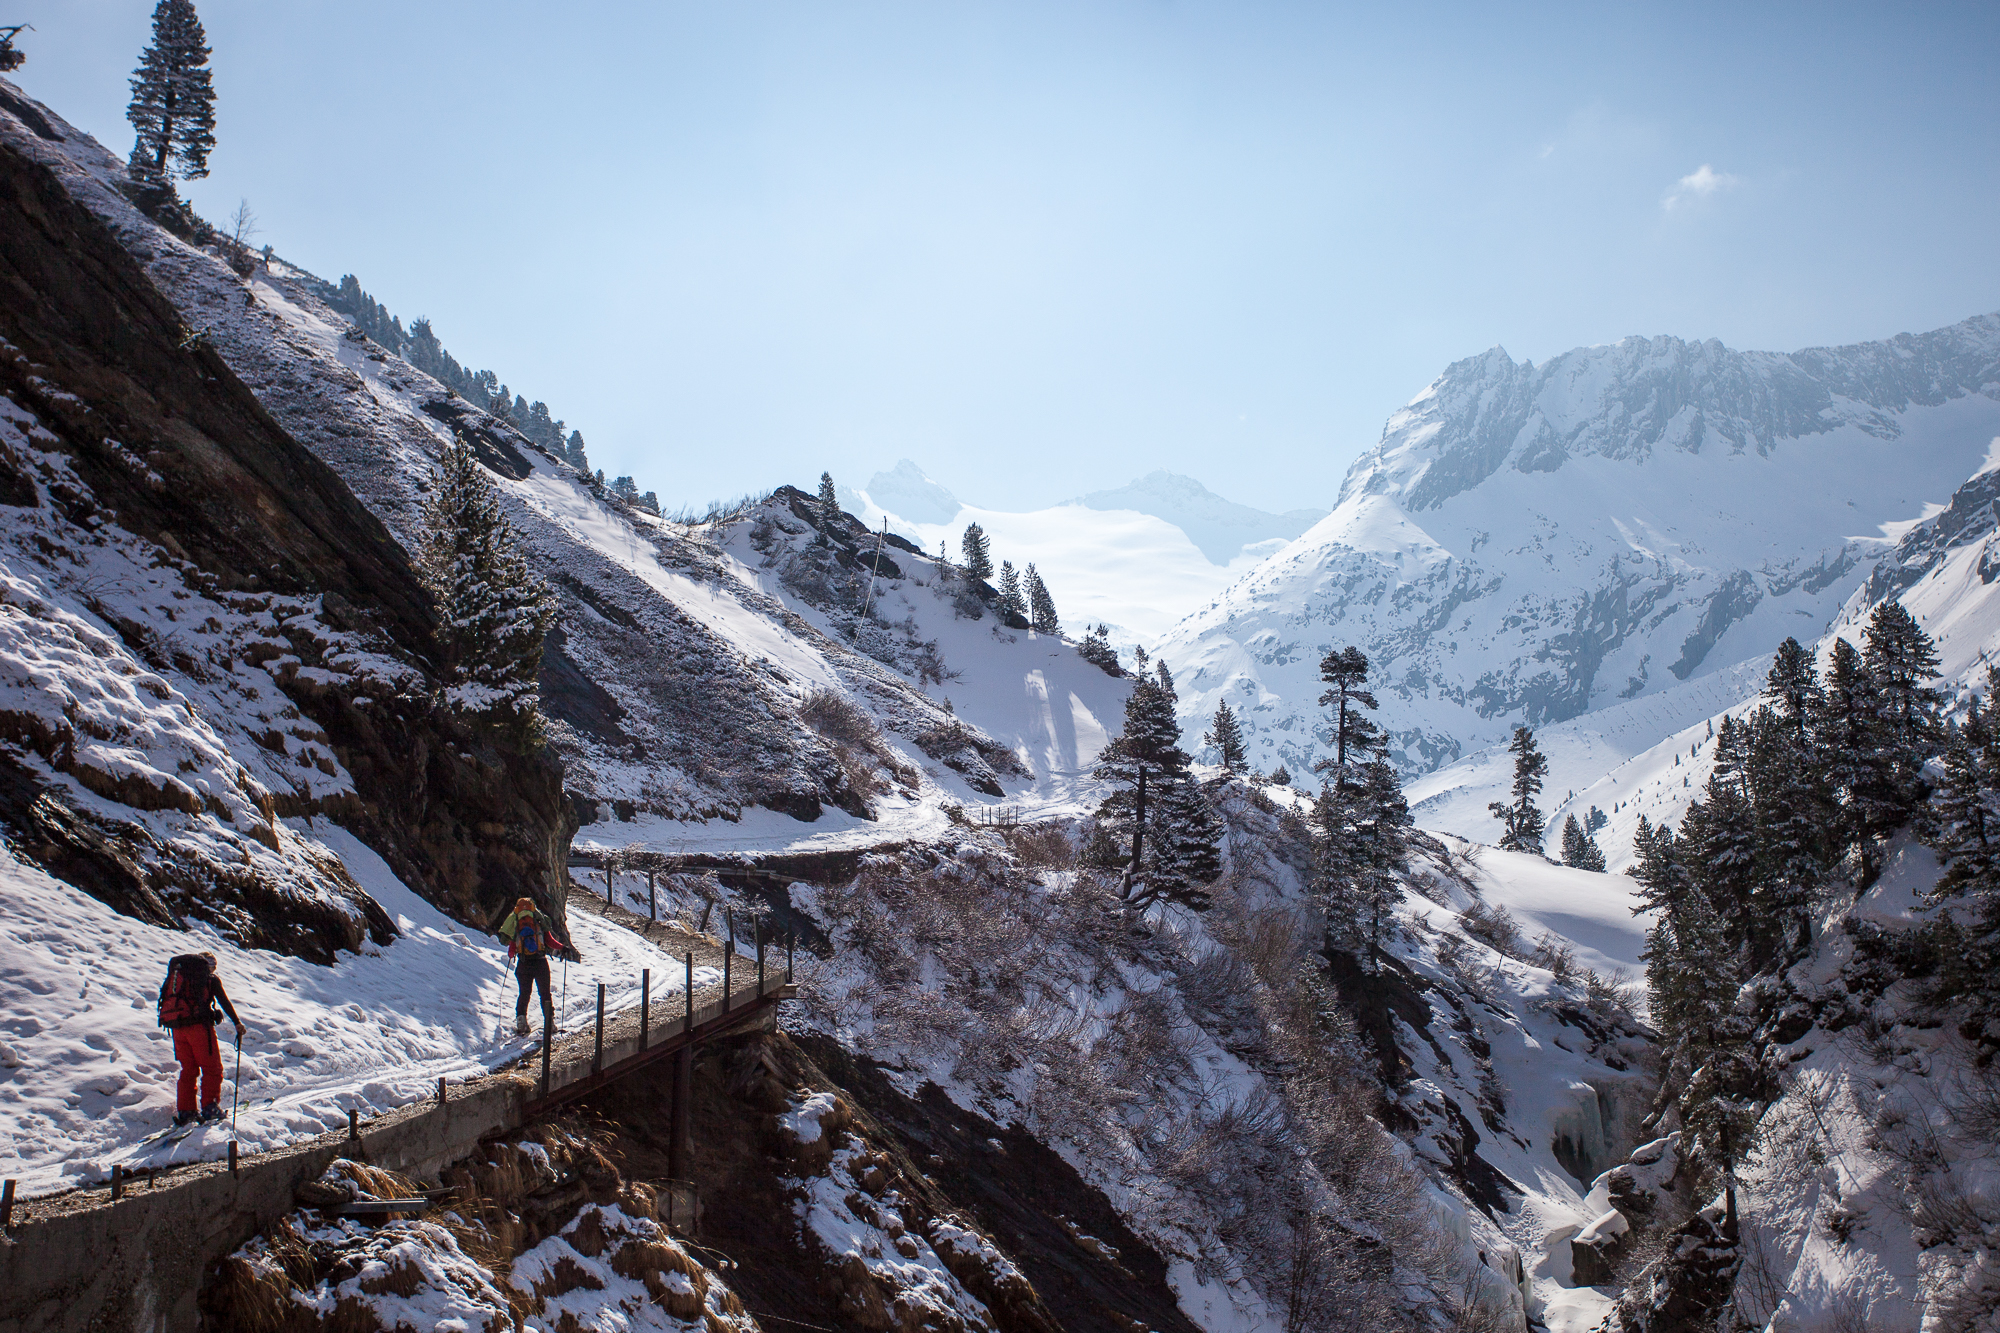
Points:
x=978 y=552
x=1579 y=848
x=1011 y=606
x=1522 y=821
x=493 y=612
x=1227 y=737
x=1041 y=606
x=173 y=99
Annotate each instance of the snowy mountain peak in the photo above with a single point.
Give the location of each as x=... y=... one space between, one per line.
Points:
x=1501 y=559
x=1638 y=396
x=908 y=492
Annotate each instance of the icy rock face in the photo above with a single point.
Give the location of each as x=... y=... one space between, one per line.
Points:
x=1530 y=543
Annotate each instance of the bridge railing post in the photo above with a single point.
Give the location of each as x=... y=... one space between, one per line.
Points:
x=645 y=1004
x=597 y=1060
x=687 y=1028
x=760 y=960
x=728 y=956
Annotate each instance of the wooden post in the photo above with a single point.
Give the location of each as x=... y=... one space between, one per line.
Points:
x=597 y=1061
x=6 y=1205
x=680 y=1139
x=645 y=1004
x=548 y=1040
x=607 y=883
x=652 y=896
x=440 y=1089
x=760 y=960
x=232 y=1157
x=353 y=1126
x=687 y=1030
x=117 y=1182
x=728 y=956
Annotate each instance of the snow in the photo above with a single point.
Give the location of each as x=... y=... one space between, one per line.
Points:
x=91 y=1074
x=1135 y=572
x=1536 y=545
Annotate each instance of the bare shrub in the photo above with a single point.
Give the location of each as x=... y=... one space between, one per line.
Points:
x=1612 y=995
x=236 y=240
x=866 y=759
x=1553 y=952
x=1493 y=926
x=1041 y=846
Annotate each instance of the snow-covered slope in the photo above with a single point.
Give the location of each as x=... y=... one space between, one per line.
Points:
x=1943 y=570
x=1534 y=543
x=1136 y=559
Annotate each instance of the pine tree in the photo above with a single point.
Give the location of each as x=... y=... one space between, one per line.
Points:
x=1187 y=848
x=1793 y=686
x=1579 y=848
x=829 y=501
x=1901 y=660
x=1011 y=607
x=1355 y=736
x=1041 y=607
x=1793 y=811
x=1522 y=821
x=1281 y=776
x=493 y=613
x=173 y=99
x=1964 y=828
x=1848 y=734
x=1227 y=738
x=978 y=552
x=1144 y=758
x=573 y=451
x=1096 y=649
x=1382 y=844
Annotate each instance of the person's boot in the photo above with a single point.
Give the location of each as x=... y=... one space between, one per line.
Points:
x=183 y=1118
x=211 y=1113
x=520 y=1025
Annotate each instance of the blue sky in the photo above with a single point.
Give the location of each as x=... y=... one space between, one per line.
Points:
x=1045 y=248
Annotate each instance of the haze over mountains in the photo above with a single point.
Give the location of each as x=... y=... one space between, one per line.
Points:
x=1528 y=543
x=1136 y=559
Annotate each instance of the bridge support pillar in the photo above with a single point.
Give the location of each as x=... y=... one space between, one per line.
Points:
x=680 y=1139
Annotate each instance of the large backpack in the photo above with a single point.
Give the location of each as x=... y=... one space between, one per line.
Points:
x=184 y=994
x=531 y=937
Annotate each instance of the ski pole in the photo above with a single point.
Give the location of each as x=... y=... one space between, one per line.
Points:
x=236 y=1085
x=565 y=1005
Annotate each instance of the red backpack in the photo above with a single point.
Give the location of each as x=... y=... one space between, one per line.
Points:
x=184 y=995
x=531 y=937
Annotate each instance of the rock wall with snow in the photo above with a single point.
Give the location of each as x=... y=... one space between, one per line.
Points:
x=1529 y=544
x=203 y=634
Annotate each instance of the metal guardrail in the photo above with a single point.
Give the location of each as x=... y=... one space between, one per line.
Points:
x=695 y=1024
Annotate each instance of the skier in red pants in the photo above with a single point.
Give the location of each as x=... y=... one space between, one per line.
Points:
x=188 y=1003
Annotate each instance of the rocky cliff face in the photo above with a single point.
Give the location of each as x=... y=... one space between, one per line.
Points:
x=209 y=642
x=1528 y=544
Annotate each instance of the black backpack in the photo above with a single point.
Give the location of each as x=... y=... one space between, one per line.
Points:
x=184 y=994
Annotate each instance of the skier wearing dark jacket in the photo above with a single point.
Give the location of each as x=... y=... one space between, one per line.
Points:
x=531 y=937
x=191 y=1004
